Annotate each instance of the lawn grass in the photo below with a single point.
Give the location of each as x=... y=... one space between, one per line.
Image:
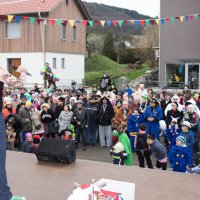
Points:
x=100 y=64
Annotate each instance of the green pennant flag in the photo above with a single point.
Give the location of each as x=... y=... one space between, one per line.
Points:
x=91 y=23
x=58 y=21
x=147 y=22
x=196 y=16
x=172 y=19
x=120 y=23
x=32 y=20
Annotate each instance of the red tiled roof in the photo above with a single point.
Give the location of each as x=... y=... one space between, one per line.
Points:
x=27 y=6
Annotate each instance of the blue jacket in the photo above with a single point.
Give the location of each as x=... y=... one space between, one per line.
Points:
x=189 y=137
x=129 y=91
x=172 y=135
x=134 y=122
x=180 y=157
x=157 y=114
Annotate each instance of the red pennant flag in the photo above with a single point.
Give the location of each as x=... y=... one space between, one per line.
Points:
x=142 y=22
x=191 y=17
x=24 y=17
x=52 y=21
x=2 y=17
x=97 y=23
x=177 y=17
x=114 y=23
x=65 y=22
x=85 y=22
x=38 y=21
x=167 y=19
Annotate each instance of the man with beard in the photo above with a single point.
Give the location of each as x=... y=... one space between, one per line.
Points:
x=132 y=105
x=93 y=113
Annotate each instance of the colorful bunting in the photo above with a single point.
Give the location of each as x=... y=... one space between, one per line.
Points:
x=120 y=23
x=18 y=19
x=65 y=22
x=142 y=22
x=137 y=22
x=147 y=22
x=91 y=23
x=71 y=22
x=109 y=22
x=131 y=21
x=102 y=23
x=186 y=18
x=181 y=18
x=157 y=21
x=32 y=20
x=52 y=21
x=162 y=21
x=10 y=18
x=172 y=20
x=58 y=21
x=114 y=23
x=38 y=21
x=191 y=17
x=196 y=16
x=85 y=22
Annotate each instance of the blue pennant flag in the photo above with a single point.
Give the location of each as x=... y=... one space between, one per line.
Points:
x=162 y=21
x=186 y=18
x=137 y=23
x=109 y=22
x=18 y=19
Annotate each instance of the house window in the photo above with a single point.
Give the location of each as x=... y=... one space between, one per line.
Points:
x=175 y=75
x=12 y=30
x=54 y=63
x=74 y=33
x=63 y=63
x=63 y=31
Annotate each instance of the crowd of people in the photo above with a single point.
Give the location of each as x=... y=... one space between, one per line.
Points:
x=136 y=120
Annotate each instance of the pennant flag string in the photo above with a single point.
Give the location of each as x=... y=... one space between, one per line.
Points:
x=91 y=23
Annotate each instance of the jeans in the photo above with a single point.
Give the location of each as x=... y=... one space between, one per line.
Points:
x=83 y=132
x=5 y=193
x=92 y=133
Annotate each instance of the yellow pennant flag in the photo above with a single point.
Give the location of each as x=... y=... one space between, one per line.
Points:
x=71 y=22
x=181 y=18
x=132 y=21
x=157 y=21
x=102 y=23
x=10 y=18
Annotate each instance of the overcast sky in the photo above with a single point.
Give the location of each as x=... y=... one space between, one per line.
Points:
x=147 y=7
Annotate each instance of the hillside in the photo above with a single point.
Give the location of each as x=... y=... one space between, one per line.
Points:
x=105 y=12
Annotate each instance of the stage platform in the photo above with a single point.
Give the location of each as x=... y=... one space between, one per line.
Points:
x=47 y=181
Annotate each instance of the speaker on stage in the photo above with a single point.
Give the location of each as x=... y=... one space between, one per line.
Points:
x=56 y=150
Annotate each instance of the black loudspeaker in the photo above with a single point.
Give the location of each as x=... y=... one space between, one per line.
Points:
x=56 y=150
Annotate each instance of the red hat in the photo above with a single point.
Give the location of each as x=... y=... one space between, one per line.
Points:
x=36 y=137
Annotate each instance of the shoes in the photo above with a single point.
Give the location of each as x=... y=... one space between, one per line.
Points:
x=18 y=198
x=102 y=146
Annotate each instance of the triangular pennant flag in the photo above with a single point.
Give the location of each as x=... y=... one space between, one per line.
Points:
x=181 y=18
x=24 y=17
x=18 y=19
x=196 y=16
x=142 y=22
x=157 y=21
x=78 y=21
x=102 y=23
x=131 y=21
x=38 y=20
x=109 y=22
x=71 y=22
x=85 y=22
x=163 y=21
x=120 y=23
x=186 y=18
x=3 y=17
x=114 y=23
x=152 y=21
x=172 y=20
x=91 y=23
x=52 y=21
x=59 y=21
x=137 y=22
x=10 y=18
x=147 y=22
x=191 y=17
x=32 y=20
x=65 y=22
x=97 y=23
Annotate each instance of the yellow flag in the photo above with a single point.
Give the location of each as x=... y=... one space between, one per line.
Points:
x=181 y=18
x=132 y=21
x=157 y=21
x=102 y=23
x=10 y=17
x=71 y=22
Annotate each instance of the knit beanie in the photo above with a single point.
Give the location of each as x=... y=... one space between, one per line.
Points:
x=181 y=139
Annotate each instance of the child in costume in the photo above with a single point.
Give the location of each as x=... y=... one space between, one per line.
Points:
x=67 y=134
x=180 y=155
x=122 y=137
x=27 y=146
x=118 y=154
x=36 y=143
x=133 y=125
x=10 y=137
x=141 y=147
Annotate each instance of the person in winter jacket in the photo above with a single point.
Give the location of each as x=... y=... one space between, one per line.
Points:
x=24 y=114
x=159 y=151
x=48 y=119
x=187 y=134
x=173 y=122
x=65 y=118
x=92 y=109
x=153 y=114
x=180 y=155
x=8 y=109
x=141 y=147
x=27 y=146
x=38 y=128
x=59 y=108
x=120 y=136
x=80 y=120
x=105 y=130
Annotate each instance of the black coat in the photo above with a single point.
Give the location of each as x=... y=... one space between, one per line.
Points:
x=105 y=118
x=48 y=117
x=177 y=114
x=81 y=117
x=58 y=110
x=141 y=143
x=93 y=112
x=1 y=95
